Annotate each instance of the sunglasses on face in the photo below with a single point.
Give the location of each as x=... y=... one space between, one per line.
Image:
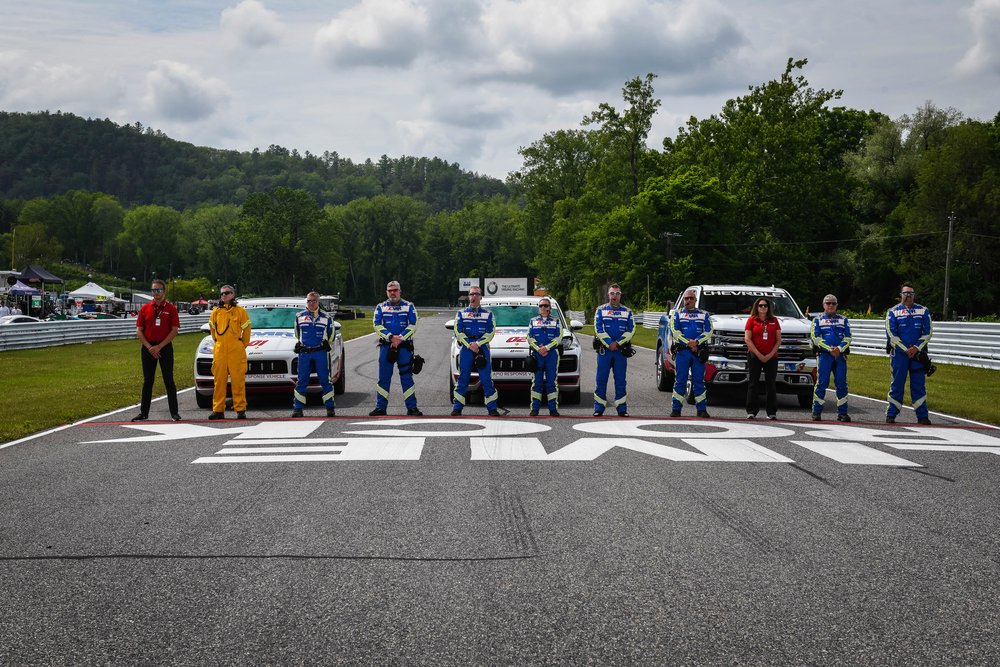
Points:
x=225 y=293
x=392 y=289
x=544 y=305
x=474 y=294
x=614 y=293
x=829 y=303
x=907 y=293
x=312 y=300
x=762 y=305
x=689 y=298
x=157 y=289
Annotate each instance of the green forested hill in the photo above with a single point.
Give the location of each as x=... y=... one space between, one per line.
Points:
x=45 y=154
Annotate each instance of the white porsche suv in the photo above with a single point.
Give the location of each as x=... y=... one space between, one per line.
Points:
x=272 y=365
x=509 y=348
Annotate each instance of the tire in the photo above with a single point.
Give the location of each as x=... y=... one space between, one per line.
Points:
x=805 y=400
x=204 y=401
x=340 y=386
x=664 y=379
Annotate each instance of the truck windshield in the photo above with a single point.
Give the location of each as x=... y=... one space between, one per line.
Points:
x=517 y=316
x=272 y=318
x=740 y=302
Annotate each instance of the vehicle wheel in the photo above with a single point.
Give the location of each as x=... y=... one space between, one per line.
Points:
x=571 y=397
x=203 y=400
x=806 y=400
x=341 y=384
x=664 y=379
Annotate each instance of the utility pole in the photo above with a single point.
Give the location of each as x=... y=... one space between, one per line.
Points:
x=947 y=263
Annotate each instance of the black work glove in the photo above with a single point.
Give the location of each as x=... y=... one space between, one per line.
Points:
x=326 y=345
x=298 y=348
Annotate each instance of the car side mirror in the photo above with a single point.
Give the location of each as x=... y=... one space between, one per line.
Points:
x=336 y=325
x=206 y=327
x=575 y=325
x=450 y=325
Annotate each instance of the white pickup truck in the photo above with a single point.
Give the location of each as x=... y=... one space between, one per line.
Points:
x=730 y=306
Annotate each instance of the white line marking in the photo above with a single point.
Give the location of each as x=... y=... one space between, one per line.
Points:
x=270 y=458
x=854 y=453
x=84 y=421
x=280 y=450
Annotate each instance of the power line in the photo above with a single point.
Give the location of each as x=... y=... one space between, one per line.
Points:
x=758 y=243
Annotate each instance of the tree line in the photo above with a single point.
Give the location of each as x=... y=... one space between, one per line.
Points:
x=782 y=186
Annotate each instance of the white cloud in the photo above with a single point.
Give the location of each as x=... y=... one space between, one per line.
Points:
x=250 y=24
x=33 y=85
x=375 y=33
x=176 y=91
x=573 y=45
x=983 y=57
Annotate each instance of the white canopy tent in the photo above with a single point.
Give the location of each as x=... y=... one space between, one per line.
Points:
x=91 y=291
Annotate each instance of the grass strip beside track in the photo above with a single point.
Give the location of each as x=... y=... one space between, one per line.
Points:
x=51 y=386
x=961 y=391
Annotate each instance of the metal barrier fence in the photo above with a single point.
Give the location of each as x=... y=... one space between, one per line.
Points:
x=963 y=343
x=69 y=332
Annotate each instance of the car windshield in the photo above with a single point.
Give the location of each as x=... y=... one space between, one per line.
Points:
x=517 y=316
x=741 y=302
x=272 y=318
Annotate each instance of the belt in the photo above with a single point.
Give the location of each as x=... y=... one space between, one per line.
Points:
x=312 y=349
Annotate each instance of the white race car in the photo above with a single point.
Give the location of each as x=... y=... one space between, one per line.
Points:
x=273 y=366
x=509 y=348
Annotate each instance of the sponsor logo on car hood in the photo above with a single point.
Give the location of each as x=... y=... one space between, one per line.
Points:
x=264 y=341
x=510 y=338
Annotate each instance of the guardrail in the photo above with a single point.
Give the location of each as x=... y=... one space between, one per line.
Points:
x=963 y=343
x=68 y=332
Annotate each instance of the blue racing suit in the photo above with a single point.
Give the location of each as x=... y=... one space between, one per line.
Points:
x=905 y=327
x=687 y=325
x=612 y=325
x=828 y=332
x=545 y=332
x=390 y=320
x=474 y=325
x=310 y=332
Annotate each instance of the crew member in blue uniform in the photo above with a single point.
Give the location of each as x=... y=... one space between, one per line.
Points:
x=613 y=328
x=545 y=335
x=395 y=322
x=313 y=333
x=831 y=334
x=690 y=328
x=908 y=330
x=474 y=330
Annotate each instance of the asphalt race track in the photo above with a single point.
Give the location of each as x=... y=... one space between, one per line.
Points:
x=472 y=540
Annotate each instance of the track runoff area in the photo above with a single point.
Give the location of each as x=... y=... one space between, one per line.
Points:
x=509 y=539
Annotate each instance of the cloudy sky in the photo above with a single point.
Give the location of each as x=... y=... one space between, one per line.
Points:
x=470 y=81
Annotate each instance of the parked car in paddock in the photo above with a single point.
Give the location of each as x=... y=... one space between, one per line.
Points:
x=272 y=365
x=726 y=369
x=17 y=319
x=509 y=349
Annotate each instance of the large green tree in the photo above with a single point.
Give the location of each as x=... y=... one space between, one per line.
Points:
x=151 y=231
x=283 y=244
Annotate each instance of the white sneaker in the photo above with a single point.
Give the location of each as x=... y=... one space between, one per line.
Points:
x=751 y=415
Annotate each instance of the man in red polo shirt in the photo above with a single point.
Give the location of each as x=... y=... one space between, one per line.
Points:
x=156 y=326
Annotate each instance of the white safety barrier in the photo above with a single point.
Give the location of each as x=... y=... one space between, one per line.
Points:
x=963 y=343
x=68 y=332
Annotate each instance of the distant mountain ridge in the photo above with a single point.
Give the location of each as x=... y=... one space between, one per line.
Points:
x=44 y=154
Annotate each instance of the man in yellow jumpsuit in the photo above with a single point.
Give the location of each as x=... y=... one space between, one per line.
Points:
x=230 y=326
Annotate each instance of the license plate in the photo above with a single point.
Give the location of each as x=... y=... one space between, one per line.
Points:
x=267 y=376
x=510 y=375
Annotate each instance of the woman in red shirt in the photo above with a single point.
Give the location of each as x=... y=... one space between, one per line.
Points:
x=763 y=338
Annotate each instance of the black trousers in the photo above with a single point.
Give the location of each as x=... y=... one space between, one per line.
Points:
x=770 y=369
x=166 y=362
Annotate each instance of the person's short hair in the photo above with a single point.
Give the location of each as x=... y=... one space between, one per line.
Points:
x=614 y=286
x=830 y=297
x=393 y=283
x=313 y=293
x=158 y=281
x=906 y=284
